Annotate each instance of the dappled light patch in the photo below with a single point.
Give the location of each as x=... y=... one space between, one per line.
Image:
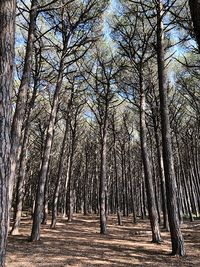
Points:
x=79 y=244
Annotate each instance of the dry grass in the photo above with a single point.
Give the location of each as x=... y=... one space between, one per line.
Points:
x=79 y=244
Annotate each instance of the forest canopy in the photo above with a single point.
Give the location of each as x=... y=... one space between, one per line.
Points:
x=99 y=114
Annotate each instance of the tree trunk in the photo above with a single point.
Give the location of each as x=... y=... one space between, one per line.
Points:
x=170 y=179
x=20 y=186
x=58 y=182
x=195 y=14
x=133 y=202
x=85 y=189
x=152 y=210
x=46 y=194
x=70 y=186
x=65 y=188
x=161 y=173
x=46 y=202
x=21 y=98
x=35 y=235
x=119 y=216
x=22 y=166
x=102 y=186
x=7 y=29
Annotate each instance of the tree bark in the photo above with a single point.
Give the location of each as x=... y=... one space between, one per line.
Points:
x=119 y=217
x=102 y=185
x=152 y=210
x=7 y=31
x=66 y=186
x=170 y=179
x=195 y=14
x=85 y=186
x=70 y=181
x=58 y=182
x=161 y=172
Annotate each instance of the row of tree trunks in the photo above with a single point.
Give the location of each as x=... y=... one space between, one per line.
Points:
x=61 y=164
x=37 y=218
x=23 y=156
x=161 y=169
x=18 y=118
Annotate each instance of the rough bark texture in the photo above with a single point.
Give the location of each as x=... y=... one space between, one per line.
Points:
x=170 y=179
x=195 y=14
x=21 y=98
x=7 y=26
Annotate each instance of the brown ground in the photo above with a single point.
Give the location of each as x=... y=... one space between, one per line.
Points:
x=79 y=244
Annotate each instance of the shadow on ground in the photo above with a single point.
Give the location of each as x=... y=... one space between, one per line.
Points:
x=79 y=244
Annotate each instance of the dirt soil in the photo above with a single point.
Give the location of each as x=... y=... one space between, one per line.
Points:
x=79 y=244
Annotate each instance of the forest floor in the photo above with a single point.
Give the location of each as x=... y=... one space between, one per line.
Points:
x=79 y=244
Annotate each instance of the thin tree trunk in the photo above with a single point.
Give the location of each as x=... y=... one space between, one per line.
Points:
x=70 y=186
x=119 y=217
x=153 y=215
x=133 y=202
x=102 y=186
x=58 y=182
x=141 y=199
x=85 y=189
x=65 y=189
x=161 y=174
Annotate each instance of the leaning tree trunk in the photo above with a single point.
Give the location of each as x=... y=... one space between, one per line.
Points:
x=21 y=98
x=170 y=179
x=22 y=165
x=7 y=26
x=152 y=210
x=37 y=218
